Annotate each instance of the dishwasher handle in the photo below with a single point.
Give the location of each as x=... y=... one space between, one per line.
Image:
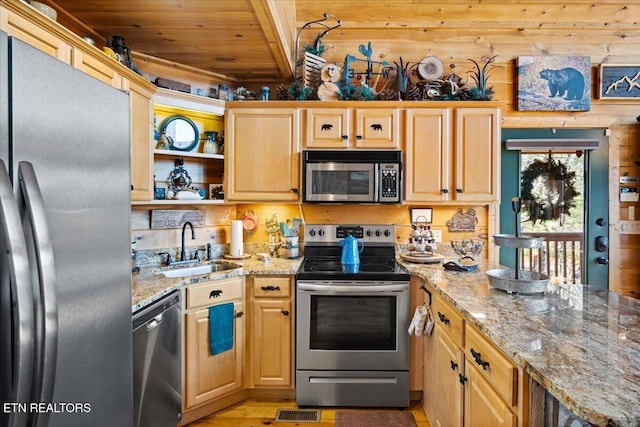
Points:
x=152 y=314
x=153 y=323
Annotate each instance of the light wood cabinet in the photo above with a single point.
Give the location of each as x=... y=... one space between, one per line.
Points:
x=467 y=380
x=450 y=390
x=100 y=67
x=416 y=344
x=271 y=332
x=477 y=155
x=263 y=155
x=364 y=128
x=482 y=405
x=452 y=154
x=26 y=26
x=206 y=376
x=141 y=99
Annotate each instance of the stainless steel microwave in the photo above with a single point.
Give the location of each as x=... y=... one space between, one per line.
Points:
x=354 y=176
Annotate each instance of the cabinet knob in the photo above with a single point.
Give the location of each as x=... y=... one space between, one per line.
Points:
x=239 y=314
x=454 y=365
x=294 y=190
x=445 y=191
x=345 y=137
x=358 y=137
x=285 y=312
x=462 y=379
x=459 y=190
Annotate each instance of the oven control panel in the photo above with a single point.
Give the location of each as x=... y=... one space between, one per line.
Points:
x=332 y=233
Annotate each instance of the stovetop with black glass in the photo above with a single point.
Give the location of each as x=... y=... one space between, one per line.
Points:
x=323 y=251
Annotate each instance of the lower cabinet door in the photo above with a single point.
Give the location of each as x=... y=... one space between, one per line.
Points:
x=449 y=360
x=482 y=405
x=206 y=376
x=271 y=343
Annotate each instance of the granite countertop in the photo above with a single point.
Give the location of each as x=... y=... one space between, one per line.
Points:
x=581 y=343
x=148 y=285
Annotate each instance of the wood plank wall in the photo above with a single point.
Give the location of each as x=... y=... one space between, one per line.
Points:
x=606 y=30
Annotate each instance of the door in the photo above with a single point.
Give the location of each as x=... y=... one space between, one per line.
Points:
x=261 y=154
x=576 y=248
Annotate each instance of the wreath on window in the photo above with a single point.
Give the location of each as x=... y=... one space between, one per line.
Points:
x=548 y=190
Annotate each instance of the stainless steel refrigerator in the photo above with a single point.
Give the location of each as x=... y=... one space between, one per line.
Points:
x=65 y=271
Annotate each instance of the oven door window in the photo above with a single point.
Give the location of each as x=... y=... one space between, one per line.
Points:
x=341 y=181
x=353 y=322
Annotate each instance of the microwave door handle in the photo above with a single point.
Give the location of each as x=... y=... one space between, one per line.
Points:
x=35 y=216
x=18 y=293
x=376 y=182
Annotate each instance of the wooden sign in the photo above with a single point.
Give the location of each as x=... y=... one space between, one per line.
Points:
x=619 y=81
x=164 y=219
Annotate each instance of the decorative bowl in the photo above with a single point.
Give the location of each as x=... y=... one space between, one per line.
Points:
x=43 y=8
x=467 y=248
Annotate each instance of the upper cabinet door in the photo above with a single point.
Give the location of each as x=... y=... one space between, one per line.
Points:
x=327 y=128
x=427 y=155
x=377 y=128
x=477 y=154
x=262 y=154
x=141 y=99
x=366 y=128
x=29 y=32
x=98 y=67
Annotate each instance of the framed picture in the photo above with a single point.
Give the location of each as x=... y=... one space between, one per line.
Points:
x=422 y=215
x=216 y=192
x=619 y=81
x=554 y=83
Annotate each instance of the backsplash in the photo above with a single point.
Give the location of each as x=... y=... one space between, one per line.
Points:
x=151 y=257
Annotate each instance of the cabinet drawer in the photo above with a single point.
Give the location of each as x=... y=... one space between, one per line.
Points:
x=449 y=319
x=492 y=364
x=214 y=292
x=271 y=286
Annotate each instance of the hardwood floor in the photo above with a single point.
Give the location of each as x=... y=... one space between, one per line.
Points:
x=253 y=413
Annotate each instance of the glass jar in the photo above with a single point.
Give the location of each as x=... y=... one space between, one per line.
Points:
x=210 y=145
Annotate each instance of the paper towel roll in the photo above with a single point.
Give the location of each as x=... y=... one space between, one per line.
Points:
x=236 y=238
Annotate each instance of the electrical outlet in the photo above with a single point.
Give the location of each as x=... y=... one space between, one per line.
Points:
x=629 y=227
x=437 y=235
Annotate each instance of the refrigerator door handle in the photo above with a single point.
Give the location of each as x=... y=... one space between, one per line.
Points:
x=17 y=302
x=46 y=355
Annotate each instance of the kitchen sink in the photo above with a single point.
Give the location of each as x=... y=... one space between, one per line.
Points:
x=194 y=270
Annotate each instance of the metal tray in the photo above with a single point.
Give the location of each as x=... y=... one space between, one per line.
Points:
x=511 y=241
x=528 y=282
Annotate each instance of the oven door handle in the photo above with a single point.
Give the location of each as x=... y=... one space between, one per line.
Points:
x=350 y=289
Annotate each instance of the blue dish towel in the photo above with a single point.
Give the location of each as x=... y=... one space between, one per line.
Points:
x=221 y=322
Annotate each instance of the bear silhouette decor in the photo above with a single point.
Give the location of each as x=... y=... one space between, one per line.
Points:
x=567 y=81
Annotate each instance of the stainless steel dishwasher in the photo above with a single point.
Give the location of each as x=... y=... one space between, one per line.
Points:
x=157 y=363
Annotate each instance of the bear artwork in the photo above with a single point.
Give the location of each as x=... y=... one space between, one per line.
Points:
x=567 y=80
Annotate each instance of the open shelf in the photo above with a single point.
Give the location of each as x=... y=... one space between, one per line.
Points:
x=187 y=154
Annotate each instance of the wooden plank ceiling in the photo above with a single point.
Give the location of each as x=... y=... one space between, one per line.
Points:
x=253 y=41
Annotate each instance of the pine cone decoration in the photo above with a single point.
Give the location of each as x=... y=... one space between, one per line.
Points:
x=282 y=93
x=388 y=95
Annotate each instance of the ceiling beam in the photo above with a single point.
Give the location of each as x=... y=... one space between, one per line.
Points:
x=278 y=22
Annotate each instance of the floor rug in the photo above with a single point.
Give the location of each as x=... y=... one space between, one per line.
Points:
x=374 y=419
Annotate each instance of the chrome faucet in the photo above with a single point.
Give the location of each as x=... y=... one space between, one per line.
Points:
x=183 y=255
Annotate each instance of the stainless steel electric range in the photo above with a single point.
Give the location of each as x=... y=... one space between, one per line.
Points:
x=352 y=346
